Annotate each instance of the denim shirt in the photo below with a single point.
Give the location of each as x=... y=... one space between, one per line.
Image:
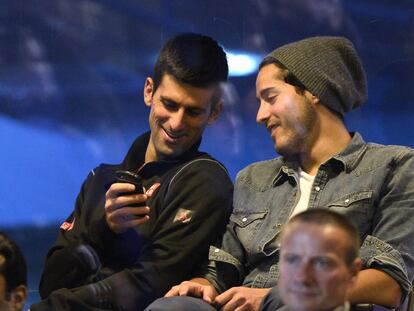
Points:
x=371 y=184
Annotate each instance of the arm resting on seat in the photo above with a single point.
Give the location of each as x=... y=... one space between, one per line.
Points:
x=376 y=287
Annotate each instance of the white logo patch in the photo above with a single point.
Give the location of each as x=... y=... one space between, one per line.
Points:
x=183 y=215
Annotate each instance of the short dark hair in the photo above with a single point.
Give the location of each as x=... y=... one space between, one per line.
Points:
x=195 y=59
x=14 y=268
x=288 y=76
x=322 y=216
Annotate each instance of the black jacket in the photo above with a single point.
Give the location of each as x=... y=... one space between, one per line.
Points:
x=91 y=268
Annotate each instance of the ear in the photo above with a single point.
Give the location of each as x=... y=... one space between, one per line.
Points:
x=315 y=100
x=215 y=112
x=18 y=297
x=354 y=270
x=312 y=98
x=148 y=91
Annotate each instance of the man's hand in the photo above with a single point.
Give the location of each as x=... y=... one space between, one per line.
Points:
x=119 y=213
x=241 y=299
x=205 y=291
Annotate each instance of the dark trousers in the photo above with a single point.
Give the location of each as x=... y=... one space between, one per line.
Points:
x=182 y=303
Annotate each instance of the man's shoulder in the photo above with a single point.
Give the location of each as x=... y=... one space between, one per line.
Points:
x=262 y=170
x=203 y=164
x=390 y=148
x=275 y=163
x=202 y=173
x=395 y=152
x=104 y=168
x=100 y=176
x=203 y=159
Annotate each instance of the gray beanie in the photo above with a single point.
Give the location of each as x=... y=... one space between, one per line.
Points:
x=329 y=67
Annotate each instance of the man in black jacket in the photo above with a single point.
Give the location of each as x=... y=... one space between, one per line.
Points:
x=120 y=249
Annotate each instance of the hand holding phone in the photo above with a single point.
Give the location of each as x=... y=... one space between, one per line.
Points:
x=130 y=178
x=123 y=208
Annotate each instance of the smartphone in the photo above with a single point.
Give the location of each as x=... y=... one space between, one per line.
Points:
x=131 y=178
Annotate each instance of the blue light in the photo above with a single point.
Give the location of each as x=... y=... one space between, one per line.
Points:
x=242 y=63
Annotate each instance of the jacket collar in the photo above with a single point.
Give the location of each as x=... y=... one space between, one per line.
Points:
x=353 y=153
x=348 y=159
x=135 y=157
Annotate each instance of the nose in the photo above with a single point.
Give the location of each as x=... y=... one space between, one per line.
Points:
x=177 y=120
x=263 y=113
x=303 y=273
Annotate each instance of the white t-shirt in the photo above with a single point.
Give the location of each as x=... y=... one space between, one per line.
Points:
x=305 y=186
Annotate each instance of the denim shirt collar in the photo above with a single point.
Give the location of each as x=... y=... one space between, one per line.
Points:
x=347 y=159
x=353 y=153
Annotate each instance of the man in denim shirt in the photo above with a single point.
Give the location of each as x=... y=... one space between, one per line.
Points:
x=304 y=89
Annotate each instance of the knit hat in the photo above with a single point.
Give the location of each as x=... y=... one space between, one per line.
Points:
x=329 y=67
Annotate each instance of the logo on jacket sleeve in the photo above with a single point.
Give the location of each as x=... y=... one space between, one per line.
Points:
x=67 y=226
x=183 y=215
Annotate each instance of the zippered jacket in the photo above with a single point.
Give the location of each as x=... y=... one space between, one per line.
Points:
x=91 y=268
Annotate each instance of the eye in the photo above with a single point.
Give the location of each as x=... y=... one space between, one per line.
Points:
x=291 y=259
x=322 y=263
x=194 y=112
x=271 y=98
x=171 y=106
x=269 y=95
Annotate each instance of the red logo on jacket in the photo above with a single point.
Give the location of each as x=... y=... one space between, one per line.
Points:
x=67 y=226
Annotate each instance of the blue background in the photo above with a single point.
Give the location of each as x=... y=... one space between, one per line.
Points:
x=72 y=73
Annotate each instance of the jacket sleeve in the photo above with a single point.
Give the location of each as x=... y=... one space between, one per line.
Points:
x=226 y=267
x=194 y=213
x=391 y=244
x=70 y=261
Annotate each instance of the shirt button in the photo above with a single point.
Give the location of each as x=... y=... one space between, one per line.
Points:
x=317 y=188
x=216 y=250
x=244 y=219
x=347 y=201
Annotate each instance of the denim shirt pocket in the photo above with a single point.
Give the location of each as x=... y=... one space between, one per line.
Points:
x=247 y=225
x=357 y=207
x=245 y=219
x=351 y=199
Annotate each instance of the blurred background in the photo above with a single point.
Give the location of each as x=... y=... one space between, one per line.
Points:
x=72 y=74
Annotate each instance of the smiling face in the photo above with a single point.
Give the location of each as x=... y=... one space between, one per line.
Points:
x=314 y=274
x=179 y=114
x=290 y=117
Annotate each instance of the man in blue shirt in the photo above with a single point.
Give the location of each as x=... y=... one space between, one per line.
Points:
x=304 y=89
